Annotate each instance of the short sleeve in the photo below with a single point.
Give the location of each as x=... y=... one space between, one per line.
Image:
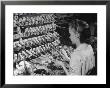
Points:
x=90 y=58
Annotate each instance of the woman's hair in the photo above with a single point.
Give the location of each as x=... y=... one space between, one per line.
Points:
x=82 y=28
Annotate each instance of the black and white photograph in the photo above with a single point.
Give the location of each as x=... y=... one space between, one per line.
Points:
x=49 y=44
x=55 y=44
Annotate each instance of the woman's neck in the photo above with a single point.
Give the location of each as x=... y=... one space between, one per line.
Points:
x=78 y=43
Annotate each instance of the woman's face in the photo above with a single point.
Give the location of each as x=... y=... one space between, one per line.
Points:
x=73 y=35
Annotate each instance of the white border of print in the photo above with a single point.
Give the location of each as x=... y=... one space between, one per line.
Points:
x=99 y=79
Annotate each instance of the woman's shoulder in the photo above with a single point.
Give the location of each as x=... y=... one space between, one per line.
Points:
x=89 y=47
x=83 y=46
x=83 y=49
x=86 y=46
x=88 y=50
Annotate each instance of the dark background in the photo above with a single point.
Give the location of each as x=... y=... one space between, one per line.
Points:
x=63 y=19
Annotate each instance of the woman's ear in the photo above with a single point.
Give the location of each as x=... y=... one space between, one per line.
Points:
x=77 y=35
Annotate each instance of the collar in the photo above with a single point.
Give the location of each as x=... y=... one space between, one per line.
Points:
x=81 y=47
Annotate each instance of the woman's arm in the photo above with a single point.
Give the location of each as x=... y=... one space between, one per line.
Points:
x=63 y=66
x=66 y=71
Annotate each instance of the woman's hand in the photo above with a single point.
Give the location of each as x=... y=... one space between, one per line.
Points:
x=60 y=63
x=64 y=54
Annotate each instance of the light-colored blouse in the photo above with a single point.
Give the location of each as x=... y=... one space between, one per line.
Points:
x=82 y=60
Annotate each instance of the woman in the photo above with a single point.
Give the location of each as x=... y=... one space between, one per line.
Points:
x=82 y=58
